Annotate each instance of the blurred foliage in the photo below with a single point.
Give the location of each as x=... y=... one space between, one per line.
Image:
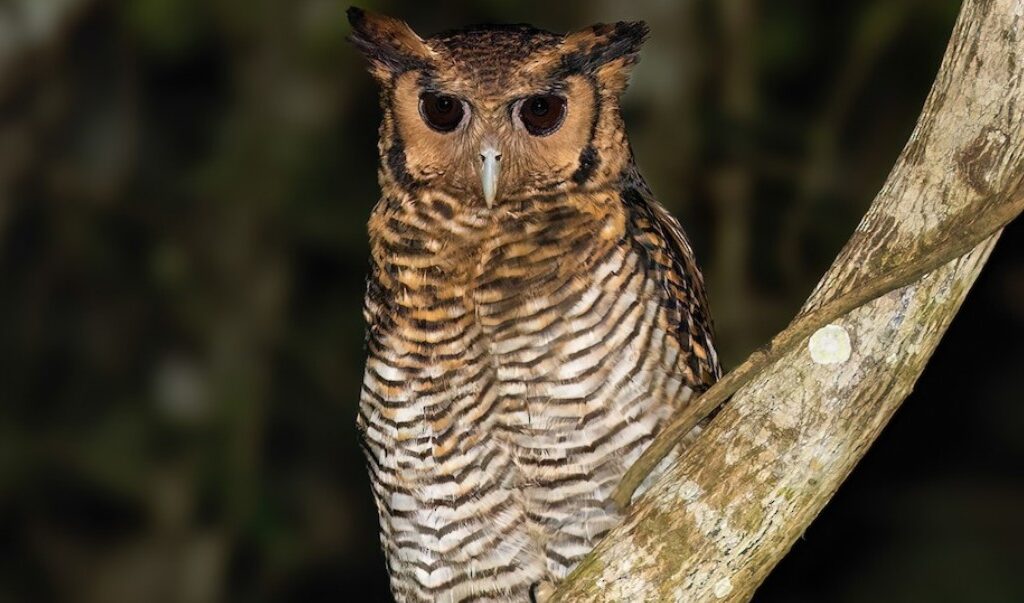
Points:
x=183 y=191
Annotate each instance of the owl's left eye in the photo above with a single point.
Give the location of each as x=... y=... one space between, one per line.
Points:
x=441 y=112
x=542 y=114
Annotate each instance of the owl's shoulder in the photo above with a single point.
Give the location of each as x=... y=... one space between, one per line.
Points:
x=659 y=237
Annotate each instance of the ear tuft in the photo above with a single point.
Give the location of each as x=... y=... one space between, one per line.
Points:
x=624 y=40
x=391 y=46
x=607 y=50
x=606 y=42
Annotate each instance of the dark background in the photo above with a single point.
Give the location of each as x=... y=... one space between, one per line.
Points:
x=184 y=186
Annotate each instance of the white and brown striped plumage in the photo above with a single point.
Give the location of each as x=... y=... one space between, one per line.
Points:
x=523 y=348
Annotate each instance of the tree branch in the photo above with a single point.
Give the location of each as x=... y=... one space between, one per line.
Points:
x=717 y=521
x=958 y=243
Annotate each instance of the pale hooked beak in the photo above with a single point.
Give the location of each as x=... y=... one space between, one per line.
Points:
x=490 y=169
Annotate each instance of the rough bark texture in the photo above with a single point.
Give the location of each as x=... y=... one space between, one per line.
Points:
x=719 y=520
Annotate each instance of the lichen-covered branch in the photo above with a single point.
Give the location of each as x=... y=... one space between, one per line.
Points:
x=977 y=229
x=714 y=525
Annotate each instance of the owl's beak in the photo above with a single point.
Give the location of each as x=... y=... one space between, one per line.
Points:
x=490 y=169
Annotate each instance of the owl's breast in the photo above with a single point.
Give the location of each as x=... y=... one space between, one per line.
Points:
x=518 y=362
x=587 y=364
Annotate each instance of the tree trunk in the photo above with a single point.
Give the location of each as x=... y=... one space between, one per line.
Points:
x=716 y=523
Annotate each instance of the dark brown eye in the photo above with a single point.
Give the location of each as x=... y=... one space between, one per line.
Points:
x=441 y=112
x=542 y=114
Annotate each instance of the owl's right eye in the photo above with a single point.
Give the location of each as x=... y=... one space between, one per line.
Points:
x=441 y=112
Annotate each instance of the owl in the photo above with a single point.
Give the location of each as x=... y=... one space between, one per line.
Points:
x=534 y=315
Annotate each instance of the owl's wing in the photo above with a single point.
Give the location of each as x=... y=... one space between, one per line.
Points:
x=668 y=246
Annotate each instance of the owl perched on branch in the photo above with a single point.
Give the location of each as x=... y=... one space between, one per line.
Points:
x=534 y=314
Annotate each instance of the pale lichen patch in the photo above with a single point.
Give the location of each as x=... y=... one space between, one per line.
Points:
x=830 y=345
x=786 y=415
x=714 y=525
x=722 y=588
x=626 y=579
x=762 y=437
x=689 y=491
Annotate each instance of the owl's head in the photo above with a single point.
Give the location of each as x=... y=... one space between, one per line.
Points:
x=494 y=113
